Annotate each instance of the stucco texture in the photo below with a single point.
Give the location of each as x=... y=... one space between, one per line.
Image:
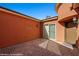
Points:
x=16 y=29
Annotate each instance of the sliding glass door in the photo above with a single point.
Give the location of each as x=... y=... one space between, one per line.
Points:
x=49 y=31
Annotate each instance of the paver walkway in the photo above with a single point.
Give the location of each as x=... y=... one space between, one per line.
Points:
x=39 y=47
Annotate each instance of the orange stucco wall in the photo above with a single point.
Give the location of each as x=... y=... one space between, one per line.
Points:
x=59 y=30
x=65 y=14
x=15 y=29
x=50 y=22
x=53 y=21
x=65 y=11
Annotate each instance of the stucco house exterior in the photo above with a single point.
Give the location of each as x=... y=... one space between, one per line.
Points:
x=63 y=29
x=68 y=16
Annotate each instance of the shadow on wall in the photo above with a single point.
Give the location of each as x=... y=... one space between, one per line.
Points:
x=77 y=10
x=62 y=23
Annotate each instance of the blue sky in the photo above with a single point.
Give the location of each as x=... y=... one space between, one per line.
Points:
x=36 y=10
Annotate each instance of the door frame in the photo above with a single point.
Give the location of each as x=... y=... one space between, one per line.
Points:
x=49 y=31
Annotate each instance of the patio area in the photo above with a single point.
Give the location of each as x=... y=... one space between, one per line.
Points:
x=38 y=47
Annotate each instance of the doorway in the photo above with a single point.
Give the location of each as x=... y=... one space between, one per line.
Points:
x=70 y=32
x=49 y=31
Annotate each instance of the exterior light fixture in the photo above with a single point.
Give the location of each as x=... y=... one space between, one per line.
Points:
x=75 y=20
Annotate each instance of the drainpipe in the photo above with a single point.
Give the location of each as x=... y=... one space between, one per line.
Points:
x=77 y=42
x=76 y=21
x=75 y=6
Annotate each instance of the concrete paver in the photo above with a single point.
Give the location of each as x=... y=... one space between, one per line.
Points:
x=39 y=47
